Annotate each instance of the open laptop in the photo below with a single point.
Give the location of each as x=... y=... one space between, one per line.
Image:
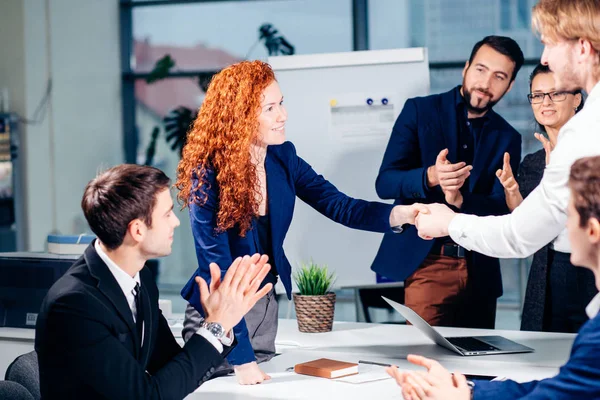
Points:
x=465 y=346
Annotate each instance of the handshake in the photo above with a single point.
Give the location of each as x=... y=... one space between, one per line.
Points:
x=431 y=220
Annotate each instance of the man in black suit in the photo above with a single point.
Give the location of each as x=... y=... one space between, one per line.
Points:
x=100 y=334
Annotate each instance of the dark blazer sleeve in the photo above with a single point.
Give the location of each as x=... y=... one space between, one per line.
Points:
x=508 y=389
x=324 y=197
x=166 y=347
x=494 y=203
x=579 y=378
x=214 y=247
x=402 y=174
x=75 y=324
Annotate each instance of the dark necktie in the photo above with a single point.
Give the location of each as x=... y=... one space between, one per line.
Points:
x=139 y=319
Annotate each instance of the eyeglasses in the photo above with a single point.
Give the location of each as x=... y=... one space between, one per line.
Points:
x=537 y=98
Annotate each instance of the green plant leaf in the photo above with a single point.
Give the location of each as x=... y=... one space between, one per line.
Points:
x=161 y=69
x=313 y=280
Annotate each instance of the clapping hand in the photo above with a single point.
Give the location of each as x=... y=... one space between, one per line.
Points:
x=548 y=146
x=450 y=177
x=435 y=384
x=227 y=301
x=510 y=184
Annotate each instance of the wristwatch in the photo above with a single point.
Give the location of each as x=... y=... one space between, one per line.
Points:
x=398 y=228
x=215 y=328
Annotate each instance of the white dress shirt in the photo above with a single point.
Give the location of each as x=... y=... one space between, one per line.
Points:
x=593 y=307
x=125 y=281
x=127 y=284
x=541 y=217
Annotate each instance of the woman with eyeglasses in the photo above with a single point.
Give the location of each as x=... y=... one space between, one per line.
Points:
x=557 y=292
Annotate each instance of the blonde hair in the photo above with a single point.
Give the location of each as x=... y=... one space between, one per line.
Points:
x=568 y=20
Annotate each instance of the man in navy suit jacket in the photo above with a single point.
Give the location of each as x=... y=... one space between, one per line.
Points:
x=579 y=378
x=447 y=148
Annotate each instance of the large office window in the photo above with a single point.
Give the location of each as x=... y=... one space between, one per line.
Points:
x=214 y=34
x=449 y=29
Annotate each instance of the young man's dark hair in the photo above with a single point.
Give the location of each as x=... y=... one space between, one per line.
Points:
x=503 y=45
x=115 y=198
x=584 y=180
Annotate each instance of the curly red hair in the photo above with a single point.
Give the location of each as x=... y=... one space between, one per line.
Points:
x=220 y=140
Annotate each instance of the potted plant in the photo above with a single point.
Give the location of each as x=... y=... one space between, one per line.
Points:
x=315 y=304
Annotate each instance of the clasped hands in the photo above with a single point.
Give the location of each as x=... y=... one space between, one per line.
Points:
x=432 y=220
x=450 y=177
x=436 y=383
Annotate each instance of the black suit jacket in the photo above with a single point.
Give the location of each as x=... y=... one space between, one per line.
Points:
x=88 y=347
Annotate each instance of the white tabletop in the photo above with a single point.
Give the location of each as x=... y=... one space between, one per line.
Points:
x=350 y=341
x=17 y=334
x=397 y=341
x=387 y=344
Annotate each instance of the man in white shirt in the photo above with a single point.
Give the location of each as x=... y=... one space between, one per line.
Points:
x=100 y=334
x=579 y=378
x=569 y=31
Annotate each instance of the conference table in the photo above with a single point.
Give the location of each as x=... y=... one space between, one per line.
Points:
x=353 y=341
x=383 y=343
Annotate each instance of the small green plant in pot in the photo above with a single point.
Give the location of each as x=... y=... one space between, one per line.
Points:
x=315 y=304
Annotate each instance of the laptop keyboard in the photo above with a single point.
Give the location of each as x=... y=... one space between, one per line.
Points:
x=471 y=344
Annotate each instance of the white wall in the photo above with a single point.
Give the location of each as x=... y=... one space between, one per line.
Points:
x=76 y=44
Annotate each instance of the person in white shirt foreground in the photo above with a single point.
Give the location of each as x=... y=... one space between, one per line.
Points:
x=571 y=37
x=579 y=378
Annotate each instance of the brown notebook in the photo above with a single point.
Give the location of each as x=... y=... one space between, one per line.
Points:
x=326 y=368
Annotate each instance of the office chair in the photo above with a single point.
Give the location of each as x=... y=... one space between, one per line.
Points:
x=14 y=391
x=24 y=370
x=372 y=298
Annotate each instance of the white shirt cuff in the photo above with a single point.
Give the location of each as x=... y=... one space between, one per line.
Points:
x=205 y=333
x=226 y=340
x=456 y=231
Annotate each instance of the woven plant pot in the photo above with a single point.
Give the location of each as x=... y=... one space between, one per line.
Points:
x=314 y=313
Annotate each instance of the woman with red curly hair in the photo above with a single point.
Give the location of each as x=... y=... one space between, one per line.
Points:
x=240 y=178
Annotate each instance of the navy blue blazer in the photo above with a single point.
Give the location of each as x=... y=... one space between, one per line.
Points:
x=578 y=379
x=288 y=176
x=426 y=126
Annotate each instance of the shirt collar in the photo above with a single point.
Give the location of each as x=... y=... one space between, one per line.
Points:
x=593 y=307
x=126 y=282
x=594 y=94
